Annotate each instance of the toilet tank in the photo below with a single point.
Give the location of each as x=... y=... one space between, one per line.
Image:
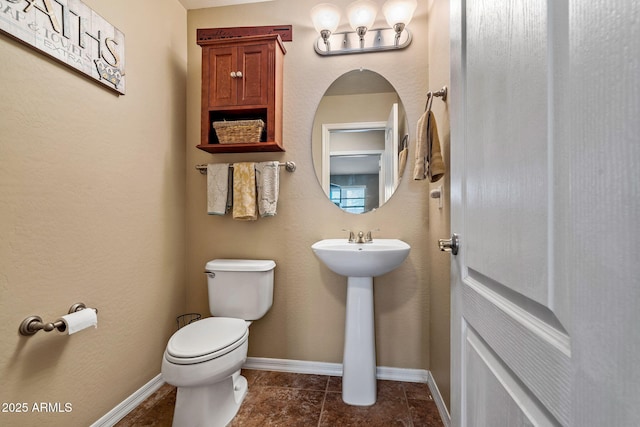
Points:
x=240 y=288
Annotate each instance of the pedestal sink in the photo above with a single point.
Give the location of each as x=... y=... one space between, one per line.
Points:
x=360 y=262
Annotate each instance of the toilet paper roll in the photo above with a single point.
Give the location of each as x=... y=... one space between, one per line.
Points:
x=80 y=320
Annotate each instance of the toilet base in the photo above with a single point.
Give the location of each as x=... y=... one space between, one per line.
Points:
x=214 y=405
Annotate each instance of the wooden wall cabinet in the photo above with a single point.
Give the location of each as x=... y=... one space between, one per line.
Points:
x=242 y=79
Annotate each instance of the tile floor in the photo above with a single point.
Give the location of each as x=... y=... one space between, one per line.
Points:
x=286 y=399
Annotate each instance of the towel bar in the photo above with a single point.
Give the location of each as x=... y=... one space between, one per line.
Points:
x=289 y=166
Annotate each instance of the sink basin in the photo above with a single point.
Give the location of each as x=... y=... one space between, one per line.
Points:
x=361 y=259
x=360 y=262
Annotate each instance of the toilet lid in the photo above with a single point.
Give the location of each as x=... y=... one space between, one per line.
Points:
x=207 y=338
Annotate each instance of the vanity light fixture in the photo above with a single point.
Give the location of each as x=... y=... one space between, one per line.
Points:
x=326 y=18
x=364 y=38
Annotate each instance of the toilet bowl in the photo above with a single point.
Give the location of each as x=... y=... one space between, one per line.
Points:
x=203 y=359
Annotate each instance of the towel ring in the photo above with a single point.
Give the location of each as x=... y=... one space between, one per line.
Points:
x=442 y=93
x=427 y=106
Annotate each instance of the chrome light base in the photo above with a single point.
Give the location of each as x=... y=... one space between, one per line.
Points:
x=374 y=40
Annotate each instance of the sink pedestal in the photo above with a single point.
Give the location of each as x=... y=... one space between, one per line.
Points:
x=359 y=361
x=360 y=263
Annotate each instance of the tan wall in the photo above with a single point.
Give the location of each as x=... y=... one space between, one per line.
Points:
x=307 y=318
x=92 y=207
x=439 y=222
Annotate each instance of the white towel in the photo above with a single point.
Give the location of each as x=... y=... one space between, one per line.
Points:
x=268 y=183
x=217 y=188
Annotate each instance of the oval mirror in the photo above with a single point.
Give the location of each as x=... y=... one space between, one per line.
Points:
x=359 y=141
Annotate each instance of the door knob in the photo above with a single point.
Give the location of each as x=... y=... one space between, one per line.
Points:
x=239 y=74
x=450 y=245
x=233 y=75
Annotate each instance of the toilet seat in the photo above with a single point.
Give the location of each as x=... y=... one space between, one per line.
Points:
x=206 y=339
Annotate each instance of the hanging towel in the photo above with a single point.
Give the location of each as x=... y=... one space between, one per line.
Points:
x=436 y=168
x=420 y=166
x=217 y=188
x=268 y=183
x=428 y=158
x=244 y=192
x=402 y=161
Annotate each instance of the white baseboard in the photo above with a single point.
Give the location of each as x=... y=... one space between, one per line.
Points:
x=295 y=366
x=130 y=403
x=437 y=397
x=335 y=369
x=285 y=365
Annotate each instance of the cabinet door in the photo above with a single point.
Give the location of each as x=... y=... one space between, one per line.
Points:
x=253 y=62
x=222 y=86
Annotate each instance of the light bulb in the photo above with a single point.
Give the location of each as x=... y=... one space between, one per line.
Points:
x=399 y=11
x=362 y=15
x=325 y=17
x=398 y=14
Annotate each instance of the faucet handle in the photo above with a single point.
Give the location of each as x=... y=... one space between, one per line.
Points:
x=369 y=238
x=352 y=237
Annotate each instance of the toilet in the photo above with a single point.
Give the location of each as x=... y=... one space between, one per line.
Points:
x=203 y=359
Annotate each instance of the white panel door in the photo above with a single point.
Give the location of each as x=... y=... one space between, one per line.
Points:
x=545 y=154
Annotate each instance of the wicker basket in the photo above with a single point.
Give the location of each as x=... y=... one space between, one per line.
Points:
x=238 y=131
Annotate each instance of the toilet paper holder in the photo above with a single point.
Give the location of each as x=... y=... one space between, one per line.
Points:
x=33 y=324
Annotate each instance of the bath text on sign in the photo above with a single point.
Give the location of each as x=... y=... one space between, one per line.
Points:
x=71 y=32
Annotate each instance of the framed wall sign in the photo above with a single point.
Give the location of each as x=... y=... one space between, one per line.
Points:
x=70 y=32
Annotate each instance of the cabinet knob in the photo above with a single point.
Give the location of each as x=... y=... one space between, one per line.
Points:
x=239 y=74
x=233 y=75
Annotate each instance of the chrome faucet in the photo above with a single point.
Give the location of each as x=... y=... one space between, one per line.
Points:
x=361 y=238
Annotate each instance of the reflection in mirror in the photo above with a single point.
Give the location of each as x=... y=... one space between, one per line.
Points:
x=359 y=141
